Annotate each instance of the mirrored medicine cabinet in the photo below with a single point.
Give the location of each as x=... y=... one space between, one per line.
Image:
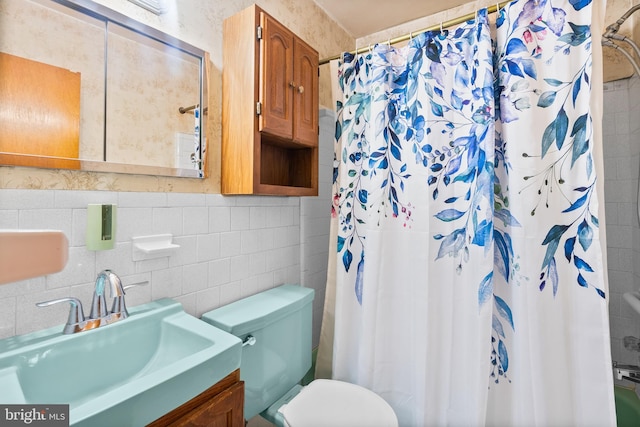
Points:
x=84 y=87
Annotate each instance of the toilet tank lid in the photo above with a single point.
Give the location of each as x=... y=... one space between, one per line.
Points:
x=257 y=311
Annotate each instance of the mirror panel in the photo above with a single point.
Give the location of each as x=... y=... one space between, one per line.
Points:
x=147 y=83
x=134 y=83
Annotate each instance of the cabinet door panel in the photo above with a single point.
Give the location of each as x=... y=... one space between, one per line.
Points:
x=221 y=405
x=305 y=98
x=276 y=77
x=225 y=410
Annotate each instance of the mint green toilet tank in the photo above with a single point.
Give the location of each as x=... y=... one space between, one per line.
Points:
x=275 y=327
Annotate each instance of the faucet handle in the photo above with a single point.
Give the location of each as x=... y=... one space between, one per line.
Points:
x=133 y=285
x=76 y=314
x=119 y=307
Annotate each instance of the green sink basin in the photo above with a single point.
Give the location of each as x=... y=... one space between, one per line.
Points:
x=125 y=374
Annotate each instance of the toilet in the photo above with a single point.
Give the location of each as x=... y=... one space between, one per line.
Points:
x=275 y=329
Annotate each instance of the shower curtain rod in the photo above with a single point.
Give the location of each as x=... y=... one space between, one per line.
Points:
x=442 y=25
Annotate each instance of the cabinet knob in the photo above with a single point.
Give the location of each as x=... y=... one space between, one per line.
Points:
x=300 y=89
x=292 y=84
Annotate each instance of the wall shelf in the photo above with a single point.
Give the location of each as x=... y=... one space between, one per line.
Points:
x=150 y=247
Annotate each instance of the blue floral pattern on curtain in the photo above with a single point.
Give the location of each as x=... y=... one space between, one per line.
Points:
x=458 y=81
x=495 y=136
x=532 y=37
x=463 y=115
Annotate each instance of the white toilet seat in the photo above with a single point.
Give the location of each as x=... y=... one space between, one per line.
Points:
x=326 y=403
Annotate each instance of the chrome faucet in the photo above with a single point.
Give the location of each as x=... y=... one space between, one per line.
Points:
x=99 y=315
x=99 y=305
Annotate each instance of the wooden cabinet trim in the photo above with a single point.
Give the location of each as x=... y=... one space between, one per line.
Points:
x=227 y=395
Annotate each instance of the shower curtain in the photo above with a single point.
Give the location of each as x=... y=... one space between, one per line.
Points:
x=467 y=285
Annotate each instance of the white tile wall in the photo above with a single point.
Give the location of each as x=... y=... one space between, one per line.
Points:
x=230 y=247
x=621 y=129
x=210 y=267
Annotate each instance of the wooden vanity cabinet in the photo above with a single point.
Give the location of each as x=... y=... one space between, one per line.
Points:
x=219 y=406
x=270 y=108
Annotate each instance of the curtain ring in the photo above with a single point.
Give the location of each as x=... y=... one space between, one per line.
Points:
x=389 y=42
x=410 y=36
x=441 y=30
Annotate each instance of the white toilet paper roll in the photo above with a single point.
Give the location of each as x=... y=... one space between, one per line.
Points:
x=633 y=300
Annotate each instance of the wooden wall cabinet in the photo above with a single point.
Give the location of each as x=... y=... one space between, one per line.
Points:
x=269 y=108
x=219 y=406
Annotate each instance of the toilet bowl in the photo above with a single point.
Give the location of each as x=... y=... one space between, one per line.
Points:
x=275 y=327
